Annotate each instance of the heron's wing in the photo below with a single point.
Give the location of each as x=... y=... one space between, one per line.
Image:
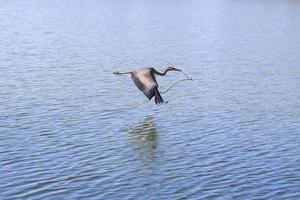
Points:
x=145 y=82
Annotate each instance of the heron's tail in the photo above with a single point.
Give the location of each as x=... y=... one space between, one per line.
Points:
x=158 y=98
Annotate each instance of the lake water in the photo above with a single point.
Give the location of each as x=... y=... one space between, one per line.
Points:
x=70 y=129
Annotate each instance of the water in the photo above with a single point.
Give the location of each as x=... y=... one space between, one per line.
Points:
x=70 y=129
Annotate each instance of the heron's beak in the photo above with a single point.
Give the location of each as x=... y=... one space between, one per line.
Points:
x=179 y=70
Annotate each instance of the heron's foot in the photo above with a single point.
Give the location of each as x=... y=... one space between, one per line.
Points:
x=116 y=72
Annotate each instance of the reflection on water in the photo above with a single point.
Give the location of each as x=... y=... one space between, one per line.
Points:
x=144 y=139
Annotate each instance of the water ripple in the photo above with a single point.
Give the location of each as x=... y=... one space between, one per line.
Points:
x=70 y=129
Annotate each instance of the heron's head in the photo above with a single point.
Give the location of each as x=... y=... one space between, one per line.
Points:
x=173 y=69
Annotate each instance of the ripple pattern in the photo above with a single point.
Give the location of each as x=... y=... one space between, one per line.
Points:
x=70 y=129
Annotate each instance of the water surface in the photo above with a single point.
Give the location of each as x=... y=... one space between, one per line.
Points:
x=70 y=129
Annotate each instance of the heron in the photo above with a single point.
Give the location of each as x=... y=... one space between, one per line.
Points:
x=145 y=81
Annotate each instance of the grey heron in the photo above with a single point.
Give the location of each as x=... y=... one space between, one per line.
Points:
x=144 y=79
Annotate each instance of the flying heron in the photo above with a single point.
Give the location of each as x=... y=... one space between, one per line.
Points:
x=144 y=79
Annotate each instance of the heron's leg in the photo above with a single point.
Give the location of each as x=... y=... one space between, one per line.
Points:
x=120 y=73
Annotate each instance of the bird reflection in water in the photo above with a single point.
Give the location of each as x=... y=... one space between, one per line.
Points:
x=144 y=138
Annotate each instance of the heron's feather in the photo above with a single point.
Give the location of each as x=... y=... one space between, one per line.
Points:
x=145 y=82
x=144 y=79
x=158 y=98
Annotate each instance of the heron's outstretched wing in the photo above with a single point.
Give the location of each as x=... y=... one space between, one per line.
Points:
x=145 y=81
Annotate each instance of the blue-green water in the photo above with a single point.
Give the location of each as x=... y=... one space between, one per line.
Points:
x=70 y=129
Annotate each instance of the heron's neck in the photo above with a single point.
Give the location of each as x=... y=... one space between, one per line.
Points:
x=163 y=72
